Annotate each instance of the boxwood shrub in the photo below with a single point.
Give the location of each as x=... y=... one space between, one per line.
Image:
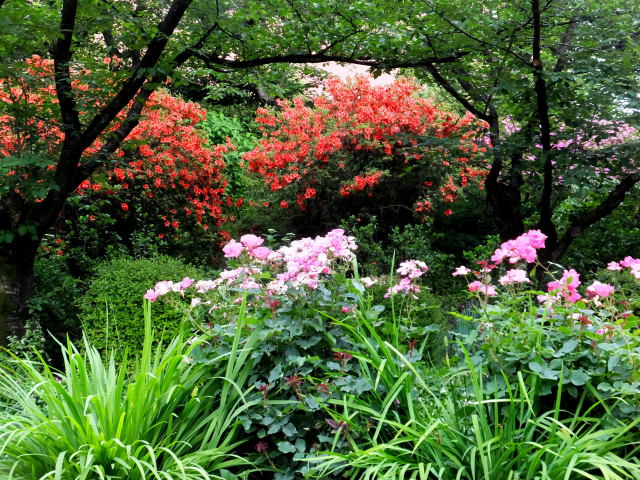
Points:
x=111 y=309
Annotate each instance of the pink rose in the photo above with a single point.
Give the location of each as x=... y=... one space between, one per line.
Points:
x=461 y=270
x=602 y=290
x=151 y=295
x=251 y=241
x=261 y=253
x=232 y=249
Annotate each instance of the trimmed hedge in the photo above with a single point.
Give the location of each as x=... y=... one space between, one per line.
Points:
x=111 y=309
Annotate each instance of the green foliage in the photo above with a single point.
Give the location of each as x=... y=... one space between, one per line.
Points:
x=296 y=371
x=303 y=364
x=32 y=341
x=611 y=239
x=111 y=308
x=54 y=302
x=220 y=127
x=593 y=352
x=377 y=252
x=423 y=430
x=174 y=418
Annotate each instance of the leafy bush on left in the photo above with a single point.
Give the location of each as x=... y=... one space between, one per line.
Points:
x=174 y=417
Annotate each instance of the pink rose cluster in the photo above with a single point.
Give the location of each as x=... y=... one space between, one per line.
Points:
x=522 y=248
x=306 y=259
x=300 y=264
x=164 y=287
x=250 y=244
x=567 y=288
x=633 y=264
x=409 y=270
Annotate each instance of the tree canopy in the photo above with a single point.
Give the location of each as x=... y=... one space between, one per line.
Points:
x=556 y=81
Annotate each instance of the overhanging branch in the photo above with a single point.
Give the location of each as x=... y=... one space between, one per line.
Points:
x=608 y=205
x=322 y=57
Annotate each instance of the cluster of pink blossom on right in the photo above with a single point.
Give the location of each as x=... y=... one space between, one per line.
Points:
x=633 y=264
x=524 y=249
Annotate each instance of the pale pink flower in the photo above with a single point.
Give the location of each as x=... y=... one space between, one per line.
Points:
x=602 y=290
x=231 y=275
x=461 y=270
x=232 y=249
x=277 y=287
x=614 y=266
x=261 y=253
x=514 y=276
x=629 y=261
x=250 y=283
x=368 y=282
x=520 y=248
x=163 y=287
x=186 y=283
x=203 y=286
x=151 y=295
x=405 y=285
x=546 y=298
x=600 y=331
x=348 y=309
x=488 y=290
x=412 y=268
x=251 y=241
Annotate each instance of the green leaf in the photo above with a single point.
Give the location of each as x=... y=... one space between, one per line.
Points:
x=276 y=373
x=579 y=377
x=286 y=447
x=311 y=402
x=289 y=430
x=568 y=347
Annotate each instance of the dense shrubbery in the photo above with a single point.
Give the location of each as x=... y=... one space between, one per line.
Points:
x=337 y=375
x=111 y=308
x=294 y=359
x=343 y=369
x=175 y=417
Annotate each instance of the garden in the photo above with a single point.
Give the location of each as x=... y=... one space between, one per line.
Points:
x=220 y=260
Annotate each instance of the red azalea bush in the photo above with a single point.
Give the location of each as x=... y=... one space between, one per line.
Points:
x=357 y=145
x=168 y=167
x=164 y=164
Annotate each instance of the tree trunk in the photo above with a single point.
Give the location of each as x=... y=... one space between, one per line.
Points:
x=16 y=286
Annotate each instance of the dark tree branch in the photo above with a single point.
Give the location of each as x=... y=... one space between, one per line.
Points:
x=322 y=57
x=542 y=113
x=479 y=41
x=445 y=84
x=608 y=205
x=62 y=57
x=115 y=139
x=69 y=172
x=154 y=51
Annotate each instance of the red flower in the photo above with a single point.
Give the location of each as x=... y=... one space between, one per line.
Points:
x=293 y=382
x=124 y=206
x=261 y=446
